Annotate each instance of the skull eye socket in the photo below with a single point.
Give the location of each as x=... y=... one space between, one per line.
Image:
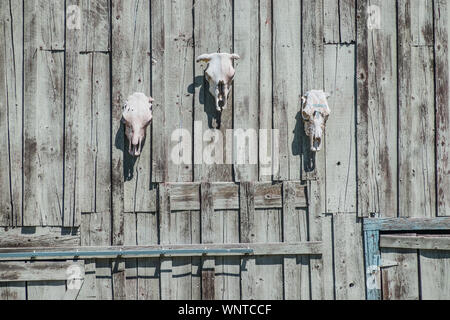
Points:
x=305 y=115
x=208 y=77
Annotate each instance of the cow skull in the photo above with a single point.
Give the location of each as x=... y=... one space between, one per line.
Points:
x=315 y=112
x=220 y=74
x=136 y=115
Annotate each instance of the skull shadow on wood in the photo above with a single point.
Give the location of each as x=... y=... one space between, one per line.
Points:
x=209 y=107
x=301 y=146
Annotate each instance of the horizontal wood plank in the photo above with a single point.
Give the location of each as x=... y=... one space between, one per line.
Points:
x=415 y=242
x=405 y=224
x=186 y=196
x=40 y=271
x=39 y=237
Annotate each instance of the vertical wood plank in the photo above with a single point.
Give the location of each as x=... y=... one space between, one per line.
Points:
x=172 y=88
x=320 y=228
x=227 y=269
x=348 y=257
x=43 y=130
x=312 y=79
x=165 y=222
x=295 y=229
x=13 y=291
x=265 y=90
x=213 y=32
x=340 y=131
x=347 y=21
x=11 y=112
x=88 y=113
x=246 y=90
x=287 y=68
x=434 y=275
x=97 y=232
x=339 y=21
x=207 y=236
x=131 y=265
x=46 y=290
x=148 y=269
x=376 y=114
x=442 y=56
x=331 y=30
x=131 y=179
x=417 y=194
x=416 y=158
x=400 y=282
x=180 y=277
x=247 y=235
x=95 y=26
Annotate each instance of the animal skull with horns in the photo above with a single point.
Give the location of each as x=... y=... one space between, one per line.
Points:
x=315 y=112
x=136 y=115
x=219 y=74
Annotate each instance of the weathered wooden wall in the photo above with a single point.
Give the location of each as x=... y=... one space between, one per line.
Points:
x=66 y=178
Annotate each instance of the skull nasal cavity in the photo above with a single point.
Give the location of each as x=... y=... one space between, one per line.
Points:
x=221 y=86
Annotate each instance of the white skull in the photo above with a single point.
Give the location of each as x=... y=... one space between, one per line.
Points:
x=315 y=112
x=219 y=74
x=136 y=115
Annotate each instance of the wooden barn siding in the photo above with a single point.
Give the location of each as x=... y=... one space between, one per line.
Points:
x=67 y=166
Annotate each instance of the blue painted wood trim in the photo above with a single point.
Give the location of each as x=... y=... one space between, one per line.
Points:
x=372 y=264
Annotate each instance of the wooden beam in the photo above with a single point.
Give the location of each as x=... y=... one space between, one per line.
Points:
x=39 y=271
x=415 y=242
x=405 y=224
x=39 y=237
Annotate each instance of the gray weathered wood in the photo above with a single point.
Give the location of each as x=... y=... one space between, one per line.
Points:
x=87 y=110
x=265 y=89
x=442 y=58
x=376 y=114
x=434 y=275
x=94 y=145
x=39 y=237
x=416 y=157
x=38 y=271
x=331 y=30
x=415 y=242
x=97 y=231
x=131 y=66
x=312 y=78
x=247 y=234
x=246 y=89
x=407 y=224
x=172 y=74
x=400 y=282
x=295 y=229
x=46 y=290
x=147 y=269
x=208 y=235
x=348 y=257
x=213 y=32
x=13 y=291
x=339 y=73
x=11 y=112
x=43 y=129
x=347 y=21
x=226 y=195
x=287 y=68
x=95 y=25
